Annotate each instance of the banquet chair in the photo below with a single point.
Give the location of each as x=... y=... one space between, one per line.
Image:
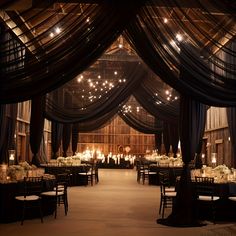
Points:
x=205 y=193
x=167 y=193
x=140 y=171
x=87 y=174
x=31 y=196
x=59 y=193
x=94 y=171
x=146 y=172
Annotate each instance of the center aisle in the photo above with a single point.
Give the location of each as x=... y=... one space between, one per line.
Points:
x=116 y=206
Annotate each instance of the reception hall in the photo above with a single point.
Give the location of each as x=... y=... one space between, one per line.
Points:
x=118 y=117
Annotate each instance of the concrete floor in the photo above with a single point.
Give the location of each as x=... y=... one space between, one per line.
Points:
x=117 y=206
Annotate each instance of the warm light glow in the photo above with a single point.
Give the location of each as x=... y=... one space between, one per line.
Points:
x=58 y=30
x=165 y=20
x=120 y=45
x=179 y=37
x=51 y=35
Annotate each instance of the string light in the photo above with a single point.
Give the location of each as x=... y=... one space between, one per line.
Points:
x=58 y=30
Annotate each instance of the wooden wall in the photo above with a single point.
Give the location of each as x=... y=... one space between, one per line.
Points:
x=114 y=137
x=216 y=137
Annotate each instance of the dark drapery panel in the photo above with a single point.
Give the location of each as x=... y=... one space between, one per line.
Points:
x=191 y=123
x=75 y=137
x=158 y=141
x=8 y=115
x=174 y=138
x=166 y=138
x=231 y=116
x=202 y=83
x=66 y=138
x=200 y=129
x=3 y=127
x=56 y=137
x=36 y=127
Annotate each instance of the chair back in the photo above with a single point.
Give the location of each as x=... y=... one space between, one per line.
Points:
x=33 y=185
x=164 y=179
x=204 y=186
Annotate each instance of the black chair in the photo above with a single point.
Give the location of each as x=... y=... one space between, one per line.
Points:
x=167 y=193
x=87 y=174
x=59 y=193
x=31 y=196
x=95 y=173
x=140 y=171
x=146 y=173
x=205 y=193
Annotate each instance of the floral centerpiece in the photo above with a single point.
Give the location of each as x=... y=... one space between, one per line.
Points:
x=222 y=169
x=16 y=172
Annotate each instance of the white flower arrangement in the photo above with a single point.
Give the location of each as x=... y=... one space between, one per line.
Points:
x=222 y=169
x=16 y=172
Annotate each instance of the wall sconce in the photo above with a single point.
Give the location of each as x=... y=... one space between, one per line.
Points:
x=12 y=154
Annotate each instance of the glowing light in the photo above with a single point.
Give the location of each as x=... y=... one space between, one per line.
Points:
x=51 y=35
x=120 y=45
x=179 y=37
x=165 y=20
x=58 y=30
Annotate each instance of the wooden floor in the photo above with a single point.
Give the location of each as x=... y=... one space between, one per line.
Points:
x=117 y=206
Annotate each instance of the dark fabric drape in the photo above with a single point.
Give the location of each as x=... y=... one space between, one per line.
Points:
x=174 y=138
x=231 y=116
x=72 y=113
x=55 y=62
x=3 y=127
x=192 y=114
x=8 y=115
x=140 y=125
x=66 y=138
x=75 y=137
x=166 y=138
x=36 y=127
x=202 y=83
x=158 y=141
x=201 y=129
x=56 y=135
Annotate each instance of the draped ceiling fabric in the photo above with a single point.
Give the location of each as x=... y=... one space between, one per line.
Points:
x=55 y=61
x=51 y=62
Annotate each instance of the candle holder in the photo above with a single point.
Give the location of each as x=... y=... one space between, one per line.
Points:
x=12 y=154
x=213 y=159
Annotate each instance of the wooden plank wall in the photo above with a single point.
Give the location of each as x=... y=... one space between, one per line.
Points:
x=216 y=137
